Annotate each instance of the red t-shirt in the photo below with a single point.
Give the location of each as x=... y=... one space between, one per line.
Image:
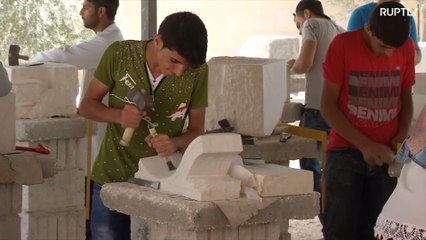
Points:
x=370 y=86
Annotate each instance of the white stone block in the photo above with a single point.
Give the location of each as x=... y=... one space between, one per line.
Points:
x=249 y=92
x=44 y=91
x=69 y=224
x=143 y=229
x=270 y=46
x=275 y=180
x=7 y=120
x=202 y=172
x=63 y=191
x=421 y=67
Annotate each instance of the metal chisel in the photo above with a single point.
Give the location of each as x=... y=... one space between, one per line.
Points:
x=169 y=163
x=144 y=182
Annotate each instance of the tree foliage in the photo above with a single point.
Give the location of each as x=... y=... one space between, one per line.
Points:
x=38 y=25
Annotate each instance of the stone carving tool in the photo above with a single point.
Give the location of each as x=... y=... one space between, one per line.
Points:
x=144 y=182
x=144 y=102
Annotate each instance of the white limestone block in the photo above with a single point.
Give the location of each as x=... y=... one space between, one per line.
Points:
x=7 y=120
x=421 y=67
x=45 y=90
x=65 y=190
x=270 y=46
x=202 y=172
x=276 y=180
x=249 y=92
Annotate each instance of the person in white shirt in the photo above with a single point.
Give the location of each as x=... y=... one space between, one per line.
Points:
x=99 y=16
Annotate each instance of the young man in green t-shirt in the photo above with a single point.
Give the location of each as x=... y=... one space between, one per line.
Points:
x=172 y=69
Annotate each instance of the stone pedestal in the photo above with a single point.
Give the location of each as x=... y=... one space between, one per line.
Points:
x=42 y=196
x=158 y=215
x=55 y=208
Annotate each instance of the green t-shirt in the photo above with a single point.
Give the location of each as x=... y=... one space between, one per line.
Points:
x=121 y=68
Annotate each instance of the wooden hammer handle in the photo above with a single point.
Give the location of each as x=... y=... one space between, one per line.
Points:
x=127 y=136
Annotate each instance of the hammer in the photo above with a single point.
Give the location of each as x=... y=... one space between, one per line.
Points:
x=14 y=55
x=144 y=102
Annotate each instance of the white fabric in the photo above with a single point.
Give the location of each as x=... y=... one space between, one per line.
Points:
x=405 y=210
x=154 y=81
x=85 y=55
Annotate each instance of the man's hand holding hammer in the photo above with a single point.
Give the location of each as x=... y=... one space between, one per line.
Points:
x=131 y=116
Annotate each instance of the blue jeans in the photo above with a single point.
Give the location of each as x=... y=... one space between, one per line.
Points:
x=106 y=224
x=355 y=195
x=312 y=119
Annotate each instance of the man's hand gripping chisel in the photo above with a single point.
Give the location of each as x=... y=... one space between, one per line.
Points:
x=168 y=161
x=144 y=102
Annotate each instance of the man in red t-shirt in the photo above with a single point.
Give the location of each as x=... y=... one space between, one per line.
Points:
x=367 y=102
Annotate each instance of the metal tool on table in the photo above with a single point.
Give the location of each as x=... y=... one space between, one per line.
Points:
x=144 y=182
x=284 y=137
x=14 y=55
x=144 y=102
x=168 y=161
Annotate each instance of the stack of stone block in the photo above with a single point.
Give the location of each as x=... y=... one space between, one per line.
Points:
x=52 y=208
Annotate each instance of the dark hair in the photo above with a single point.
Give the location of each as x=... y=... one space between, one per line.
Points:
x=390 y=25
x=313 y=5
x=110 y=6
x=185 y=33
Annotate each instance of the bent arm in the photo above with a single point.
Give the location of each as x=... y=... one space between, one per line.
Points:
x=306 y=57
x=84 y=55
x=91 y=106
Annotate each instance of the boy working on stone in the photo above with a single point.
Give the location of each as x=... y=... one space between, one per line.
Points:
x=367 y=102
x=172 y=69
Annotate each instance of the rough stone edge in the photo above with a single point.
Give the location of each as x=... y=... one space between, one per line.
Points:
x=30 y=130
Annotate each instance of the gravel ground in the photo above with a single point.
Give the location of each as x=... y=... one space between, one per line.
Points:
x=307 y=229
